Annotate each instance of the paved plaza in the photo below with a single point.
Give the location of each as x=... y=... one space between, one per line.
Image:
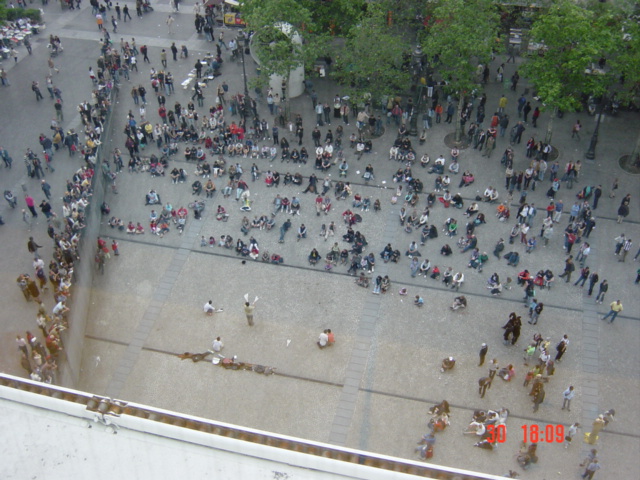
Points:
x=373 y=388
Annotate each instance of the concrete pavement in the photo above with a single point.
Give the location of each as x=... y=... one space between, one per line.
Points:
x=372 y=389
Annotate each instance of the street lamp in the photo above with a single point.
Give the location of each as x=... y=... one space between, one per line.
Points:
x=591 y=152
x=247 y=103
x=418 y=67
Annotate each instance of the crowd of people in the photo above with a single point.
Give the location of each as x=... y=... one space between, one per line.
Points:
x=221 y=139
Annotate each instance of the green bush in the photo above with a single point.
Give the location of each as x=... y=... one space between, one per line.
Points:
x=11 y=14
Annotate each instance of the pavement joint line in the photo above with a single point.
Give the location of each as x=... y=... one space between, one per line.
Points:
x=350 y=390
x=399 y=282
x=141 y=334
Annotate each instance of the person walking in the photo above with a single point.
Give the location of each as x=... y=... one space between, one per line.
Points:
x=484 y=383
x=33 y=247
x=616 y=308
x=570 y=433
x=163 y=57
x=567 y=396
x=584 y=275
x=46 y=188
x=248 y=311
x=483 y=353
x=535 y=313
x=569 y=267
x=591 y=469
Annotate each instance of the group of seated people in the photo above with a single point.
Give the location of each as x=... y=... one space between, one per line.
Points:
x=390 y=254
x=194 y=154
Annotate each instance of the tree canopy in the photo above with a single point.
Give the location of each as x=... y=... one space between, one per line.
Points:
x=461 y=33
x=274 y=49
x=573 y=39
x=371 y=60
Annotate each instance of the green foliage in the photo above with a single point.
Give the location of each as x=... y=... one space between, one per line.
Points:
x=624 y=61
x=462 y=33
x=11 y=14
x=574 y=39
x=335 y=17
x=371 y=60
x=275 y=51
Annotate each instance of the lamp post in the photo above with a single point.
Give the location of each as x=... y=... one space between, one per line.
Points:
x=591 y=152
x=418 y=67
x=247 y=104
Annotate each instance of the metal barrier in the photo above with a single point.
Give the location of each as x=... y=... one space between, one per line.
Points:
x=116 y=409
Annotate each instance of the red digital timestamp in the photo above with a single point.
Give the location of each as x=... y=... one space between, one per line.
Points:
x=547 y=433
x=496 y=433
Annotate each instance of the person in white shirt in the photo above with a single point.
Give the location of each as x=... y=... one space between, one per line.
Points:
x=323 y=340
x=567 y=396
x=217 y=345
x=209 y=309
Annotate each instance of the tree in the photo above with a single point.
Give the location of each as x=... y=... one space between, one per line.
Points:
x=462 y=34
x=370 y=64
x=335 y=16
x=275 y=50
x=573 y=40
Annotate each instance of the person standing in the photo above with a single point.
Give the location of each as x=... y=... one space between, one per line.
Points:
x=593 y=280
x=562 y=347
x=31 y=205
x=169 y=23
x=538 y=397
x=483 y=353
x=36 y=89
x=174 y=51
x=493 y=369
x=114 y=247
x=567 y=396
x=602 y=291
x=626 y=247
x=527 y=108
x=616 y=308
x=598 y=424
x=248 y=311
x=597 y=193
